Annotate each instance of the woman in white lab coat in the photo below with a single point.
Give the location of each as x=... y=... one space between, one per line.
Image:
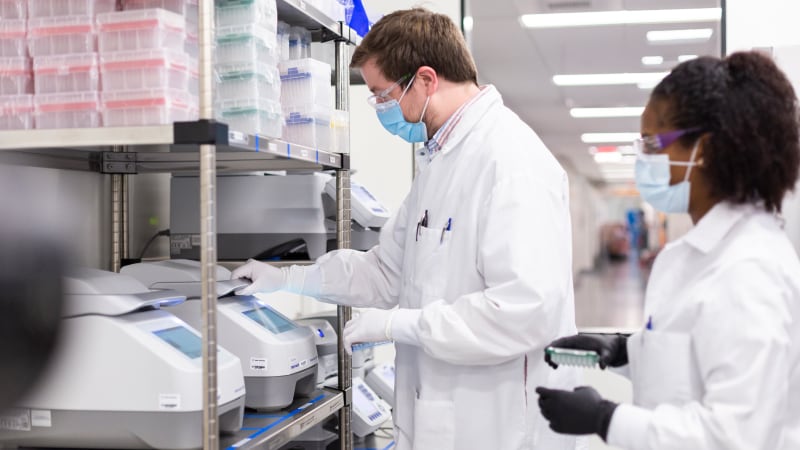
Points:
x=717 y=365
x=478 y=257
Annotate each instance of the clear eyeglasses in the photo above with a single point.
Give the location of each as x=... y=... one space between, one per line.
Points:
x=383 y=96
x=657 y=142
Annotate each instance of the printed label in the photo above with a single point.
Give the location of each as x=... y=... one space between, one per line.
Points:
x=238 y=137
x=304 y=153
x=169 y=401
x=180 y=242
x=41 y=418
x=258 y=363
x=15 y=420
x=294 y=363
x=195 y=240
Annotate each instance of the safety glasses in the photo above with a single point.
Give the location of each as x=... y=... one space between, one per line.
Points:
x=657 y=142
x=383 y=96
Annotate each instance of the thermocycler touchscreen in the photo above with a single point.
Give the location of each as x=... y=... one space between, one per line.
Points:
x=270 y=320
x=182 y=339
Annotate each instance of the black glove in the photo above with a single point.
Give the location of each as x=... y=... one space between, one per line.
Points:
x=611 y=348
x=581 y=411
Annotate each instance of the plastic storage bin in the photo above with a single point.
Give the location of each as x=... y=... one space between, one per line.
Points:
x=52 y=8
x=13 y=9
x=252 y=116
x=248 y=80
x=13 y=37
x=16 y=76
x=241 y=12
x=145 y=107
x=66 y=73
x=310 y=126
x=186 y=8
x=340 y=131
x=305 y=82
x=61 y=35
x=141 y=29
x=144 y=69
x=246 y=43
x=73 y=110
x=16 y=112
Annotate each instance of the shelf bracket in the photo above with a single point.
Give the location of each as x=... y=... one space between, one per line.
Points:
x=204 y=131
x=118 y=163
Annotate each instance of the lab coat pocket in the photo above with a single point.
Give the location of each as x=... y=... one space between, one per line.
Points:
x=661 y=368
x=434 y=425
x=430 y=252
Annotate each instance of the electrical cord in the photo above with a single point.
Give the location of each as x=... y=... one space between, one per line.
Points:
x=150 y=242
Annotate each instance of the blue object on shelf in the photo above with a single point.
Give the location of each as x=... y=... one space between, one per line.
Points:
x=358 y=19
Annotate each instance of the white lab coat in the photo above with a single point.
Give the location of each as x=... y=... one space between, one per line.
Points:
x=483 y=298
x=720 y=366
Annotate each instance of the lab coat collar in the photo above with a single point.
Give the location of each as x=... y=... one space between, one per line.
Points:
x=488 y=98
x=717 y=222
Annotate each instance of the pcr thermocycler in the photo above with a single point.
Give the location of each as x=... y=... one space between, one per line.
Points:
x=126 y=374
x=279 y=358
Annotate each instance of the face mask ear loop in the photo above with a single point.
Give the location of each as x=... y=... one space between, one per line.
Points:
x=424 y=108
x=691 y=161
x=406 y=89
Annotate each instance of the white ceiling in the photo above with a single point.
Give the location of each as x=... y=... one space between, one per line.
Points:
x=521 y=62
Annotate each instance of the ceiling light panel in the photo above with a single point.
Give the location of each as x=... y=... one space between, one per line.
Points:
x=698 y=34
x=627 y=111
x=652 y=60
x=604 y=79
x=620 y=17
x=684 y=58
x=598 y=138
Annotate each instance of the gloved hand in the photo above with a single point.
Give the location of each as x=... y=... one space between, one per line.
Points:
x=582 y=411
x=371 y=325
x=612 y=348
x=264 y=277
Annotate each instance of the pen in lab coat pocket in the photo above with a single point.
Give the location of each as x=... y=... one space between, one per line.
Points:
x=445 y=228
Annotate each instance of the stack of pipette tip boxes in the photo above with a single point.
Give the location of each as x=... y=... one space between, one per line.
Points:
x=248 y=85
x=146 y=71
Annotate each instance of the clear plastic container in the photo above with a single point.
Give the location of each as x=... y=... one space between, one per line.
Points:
x=309 y=126
x=242 y=12
x=340 y=131
x=573 y=357
x=186 y=8
x=13 y=37
x=283 y=40
x=73 y=110
x=248 y=80
x=75 y=72
x=252 y=116
x=192 y=45
x=304 y=82
x=61 y=35
x=143 y=69
x=16 y=112
x=146 y=107
x=13 y=9
x=141 y=29
x=52 y=8
x=16 y=77
x=246 y=43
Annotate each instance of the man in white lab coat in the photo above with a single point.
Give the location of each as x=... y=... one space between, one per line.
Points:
x=477 y=259
x=717 y=363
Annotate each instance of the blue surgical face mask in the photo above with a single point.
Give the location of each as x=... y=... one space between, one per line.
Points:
x=391 y=117
x=652 y=180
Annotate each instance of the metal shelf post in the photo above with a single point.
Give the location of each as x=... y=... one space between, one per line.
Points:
x=208 y=232
x=343 y=226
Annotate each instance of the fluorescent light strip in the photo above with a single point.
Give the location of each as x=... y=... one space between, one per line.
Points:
x=652 y=60
x=628 y=111
x=684 y=58
x=603 y=79
x=680 y=35
x=597 y=138
x=620 y=17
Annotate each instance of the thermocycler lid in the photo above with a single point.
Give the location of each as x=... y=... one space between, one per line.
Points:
x=182 y=275
x=94 y=291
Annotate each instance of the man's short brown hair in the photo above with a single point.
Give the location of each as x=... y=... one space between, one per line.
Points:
x=406 y=40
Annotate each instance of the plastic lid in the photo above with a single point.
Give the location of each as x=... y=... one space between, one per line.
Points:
x=60 y=25
x=136 y=59
x=16 y=104
x=13 y=28
x=15 y=65
x=240 y=33
x=63 y=64
x=141 y=98
x=140 y=18
x=76 y=101
x=246 y=70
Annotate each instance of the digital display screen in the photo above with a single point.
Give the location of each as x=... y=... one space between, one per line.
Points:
x=182 y=339
x=362 y=403
x=270 y=320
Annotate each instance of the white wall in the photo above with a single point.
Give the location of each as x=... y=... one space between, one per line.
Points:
x=772 y=25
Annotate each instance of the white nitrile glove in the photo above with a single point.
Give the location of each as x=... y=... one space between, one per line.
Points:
x=370 y=325
x=263 y=277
